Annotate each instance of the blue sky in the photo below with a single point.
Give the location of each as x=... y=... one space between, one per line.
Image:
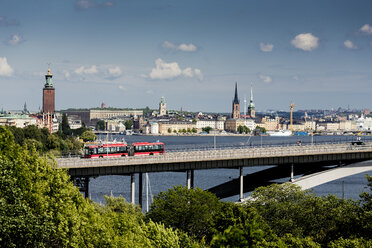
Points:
x=131 y=53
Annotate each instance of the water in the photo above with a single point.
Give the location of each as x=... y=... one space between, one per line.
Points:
x=204 y=179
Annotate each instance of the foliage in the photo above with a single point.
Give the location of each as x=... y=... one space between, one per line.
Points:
x=194 y=130
x=287 y=209
x=100 y=125
x=259 y=130
x=64 y=126
x=169 y=130
x=190 y=210
x=88 y=136
x=43 y=141
x=207 y=129
x=40 y=207
x=243 y=129
x=128 y=124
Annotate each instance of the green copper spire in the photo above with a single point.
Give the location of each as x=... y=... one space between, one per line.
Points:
x=48 y=80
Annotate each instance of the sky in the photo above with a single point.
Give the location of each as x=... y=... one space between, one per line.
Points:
x=128 y=54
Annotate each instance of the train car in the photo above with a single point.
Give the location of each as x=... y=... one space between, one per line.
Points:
x=106 y=150
x=146 y=148
x=122 y=150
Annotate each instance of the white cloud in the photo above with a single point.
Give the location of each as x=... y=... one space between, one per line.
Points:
x=350 y=45
x=265 y=78
x=67 y=75
x=164 y=70
x=114 y=71
x=87 y=4
x=15 y=39
x=366 y=28
x=306 y=42
x=182 y=47
x=266 y=47
x=172 y=70
x=82 y=70
x=187 y=47
x=121 y=87
x=5 y=68
x=198 y=74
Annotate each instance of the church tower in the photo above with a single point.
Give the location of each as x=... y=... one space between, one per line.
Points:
x=48 y=95
x=236 y=104
x=251 y=107
x=162 y=107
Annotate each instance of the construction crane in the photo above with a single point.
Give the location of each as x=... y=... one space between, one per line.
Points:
x=291 y=108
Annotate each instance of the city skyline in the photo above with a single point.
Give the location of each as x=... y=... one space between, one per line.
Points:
x=129 y=54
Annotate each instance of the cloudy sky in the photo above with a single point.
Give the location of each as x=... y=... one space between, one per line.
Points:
x=131 y=53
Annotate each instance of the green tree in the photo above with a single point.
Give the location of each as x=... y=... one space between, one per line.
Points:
x=128 y=124
x=243 y=129
x=190 y=210
x=100 y=125
x=288 y=209
x=88 y=136
x=207 y=129
x=188 y=130
x=194 y=130
x=65 y=127
x=169 y=130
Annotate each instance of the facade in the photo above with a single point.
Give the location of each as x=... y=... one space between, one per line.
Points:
x=233 y=124
x=236 y=104
x=162 y=107
x=251 y=107
x=173 y=127
x=48 y=95
x=19 y=121
x=215 y=124
x=270 y=123
x=88 y=116
x=154 y=128
x=250 y=124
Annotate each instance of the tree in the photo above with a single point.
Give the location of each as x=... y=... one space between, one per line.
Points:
x=194 y=130
x=66 y=130
x=207 y=129
x=100 y=125
x=190 y=210
x=259 y=130
x=88 y=136
x=243 y=129
x=288 y=209
x=169 y=130
x=128 y=124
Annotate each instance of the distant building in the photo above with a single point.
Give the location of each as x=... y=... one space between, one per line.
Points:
x=251 y=107
x=19 y=121
x=233 y=124
x=48 y=95
x=103 y=105
x=215 y=124
x=172 y=127
x=236 y=104
x=90 y=117
x=162 y=107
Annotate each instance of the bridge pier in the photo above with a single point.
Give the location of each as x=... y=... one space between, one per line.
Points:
x=292 y=173
x=83 y=184
x=241 y=186
x=140 y=189
x=190 y=179
x=132 y=188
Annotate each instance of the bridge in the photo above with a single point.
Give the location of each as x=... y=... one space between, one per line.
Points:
x=287 y=161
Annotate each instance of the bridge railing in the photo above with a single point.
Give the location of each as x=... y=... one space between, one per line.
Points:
x=212 y=155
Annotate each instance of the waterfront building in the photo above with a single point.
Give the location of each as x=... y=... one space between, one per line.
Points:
x=250 y=123
x=328 y=126
x=91 y=116
x=154 y=128
x=165 y=127
x=236 y=104
x=233 y=124
x=162 y=107
x=215 y=124
x=19 y=121
x=270 y=123
x=251 y=107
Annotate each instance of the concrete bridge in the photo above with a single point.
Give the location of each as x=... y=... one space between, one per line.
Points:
x=287 y=161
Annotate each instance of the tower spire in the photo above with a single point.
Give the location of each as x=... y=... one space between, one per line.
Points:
x=251 y=93
x=236 y=99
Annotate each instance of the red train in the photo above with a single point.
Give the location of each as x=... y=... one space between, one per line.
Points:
x=122 y=150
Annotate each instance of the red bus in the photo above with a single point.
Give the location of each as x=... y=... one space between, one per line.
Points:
x=122 y=150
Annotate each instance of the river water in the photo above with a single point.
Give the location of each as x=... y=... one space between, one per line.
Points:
x=348 y=187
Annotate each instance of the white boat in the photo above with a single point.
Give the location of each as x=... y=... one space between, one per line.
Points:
x=280 y=133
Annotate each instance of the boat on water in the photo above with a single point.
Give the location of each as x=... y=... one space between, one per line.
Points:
x=279 y=133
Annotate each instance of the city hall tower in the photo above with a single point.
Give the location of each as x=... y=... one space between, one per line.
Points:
x=48 y=95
